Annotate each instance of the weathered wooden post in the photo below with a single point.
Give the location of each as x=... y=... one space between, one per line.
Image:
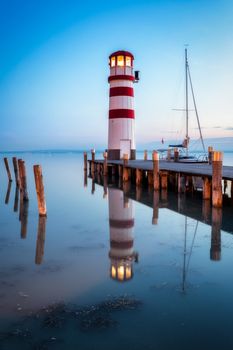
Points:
x=85 y=178
x=7 y=169
x=145 y=155
x=176 y=155
x=23 y=179
x=138 y=193
x=105 y=154
x=40 y=239
x=15 y=165
x=206 y=210
x=85 y=160
x=150 y=178
x=210 y=154
x=125 y=169
x=19 y=173
x=206 y=188
x=93 y=186
x=168 y=155
x=92 y=162
x=138 y=177
x=164 y=178
x=40 y=190
x=217 y=179
x=215 y=250
x=155 y=157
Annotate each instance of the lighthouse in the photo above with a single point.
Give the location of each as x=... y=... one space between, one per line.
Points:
x=121 y=133
x=121 y=225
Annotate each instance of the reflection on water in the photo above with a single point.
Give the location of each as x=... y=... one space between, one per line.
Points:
x=121 y=226
x=8 y=192
x=95 y=227
x=40 y=239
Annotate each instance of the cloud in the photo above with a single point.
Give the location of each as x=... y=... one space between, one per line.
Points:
x=229 y=128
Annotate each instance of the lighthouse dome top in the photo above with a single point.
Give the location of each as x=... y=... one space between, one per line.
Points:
x=123 y=53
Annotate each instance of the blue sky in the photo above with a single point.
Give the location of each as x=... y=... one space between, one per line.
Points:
x=54 y=69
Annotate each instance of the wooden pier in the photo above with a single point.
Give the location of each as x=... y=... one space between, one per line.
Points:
x=170 y=175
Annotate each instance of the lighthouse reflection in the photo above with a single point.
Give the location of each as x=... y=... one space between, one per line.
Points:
x=121 y=226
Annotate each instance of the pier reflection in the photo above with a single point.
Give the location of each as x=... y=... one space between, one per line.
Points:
x=23 y=216
x=16 y=201
x=41 y=231
x=121 y=227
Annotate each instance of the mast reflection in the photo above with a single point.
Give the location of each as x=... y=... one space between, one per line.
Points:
x=121 y=224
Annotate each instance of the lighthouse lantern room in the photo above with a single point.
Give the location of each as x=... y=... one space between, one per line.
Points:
x=121 y=133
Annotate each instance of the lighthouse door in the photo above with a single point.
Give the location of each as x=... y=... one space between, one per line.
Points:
x=125 y=148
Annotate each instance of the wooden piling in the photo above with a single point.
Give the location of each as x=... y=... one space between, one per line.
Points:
x=206 y=188
x=155 y=208
x=138 y=177
x=210 y=154
x=85 y=178
x=217 y=179
x=92 y=162
x=15 y=165
x=16 y=201
x=85 y=160
x=164 y=179
x=155 y=158
x=145 y=155
x=23 y=179
x=126 y=170
x=150 y=178
x=8 y=169
x=40 y=190
x=176 y=155
x=105 y=154
x=215 y=250
x=168 y=155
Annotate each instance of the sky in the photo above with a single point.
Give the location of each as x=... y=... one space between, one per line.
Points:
x=54 y=69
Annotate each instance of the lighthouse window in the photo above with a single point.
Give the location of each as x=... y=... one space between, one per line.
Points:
x=113 y=61
x=128 y=61
x=120 y=61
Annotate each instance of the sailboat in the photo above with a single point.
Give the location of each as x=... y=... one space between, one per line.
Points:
x=184 y=146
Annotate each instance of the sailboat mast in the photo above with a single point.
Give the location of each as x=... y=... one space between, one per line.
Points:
x=186 y=97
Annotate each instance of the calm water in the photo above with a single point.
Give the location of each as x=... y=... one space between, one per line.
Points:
x=113 y=269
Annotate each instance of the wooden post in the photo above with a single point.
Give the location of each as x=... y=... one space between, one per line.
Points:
x=15 y=165
x=168 y=155
x=206 y=206
x=176 y=155
x=138 y=193
x=7 y=169
x=164 y=176
x=145 y=155
x=40 y=190
x=92 y=162
x=125 y=169
x=40 y=239
x=20 y=174
x=98 y=168
x=85 y=160
x=93 y=186
x=150 y=178
x=23 y=179
x=217 y=179
x=206 y=188
x=105 y=154
x=210 y=154
x=138 y=177
x=155 y=157
x=120 y=171
x=215 y=250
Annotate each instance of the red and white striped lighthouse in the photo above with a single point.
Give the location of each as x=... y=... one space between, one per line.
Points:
x=121 y=133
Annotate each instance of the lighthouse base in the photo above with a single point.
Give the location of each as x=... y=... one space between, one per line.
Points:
x=114 y=154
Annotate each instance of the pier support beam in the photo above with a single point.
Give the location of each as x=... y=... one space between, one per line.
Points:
x=126 y=171
x=155 y=157
x=145 y=155
x=176 y=155
x=15 y=165
x=217 y=179
x=105 y=154
x=206 y=188
x=164 y=178
x=92 y=162
x=138 y=177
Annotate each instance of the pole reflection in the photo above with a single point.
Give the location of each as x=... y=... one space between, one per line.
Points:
x=8 y=192
x=40 y=240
